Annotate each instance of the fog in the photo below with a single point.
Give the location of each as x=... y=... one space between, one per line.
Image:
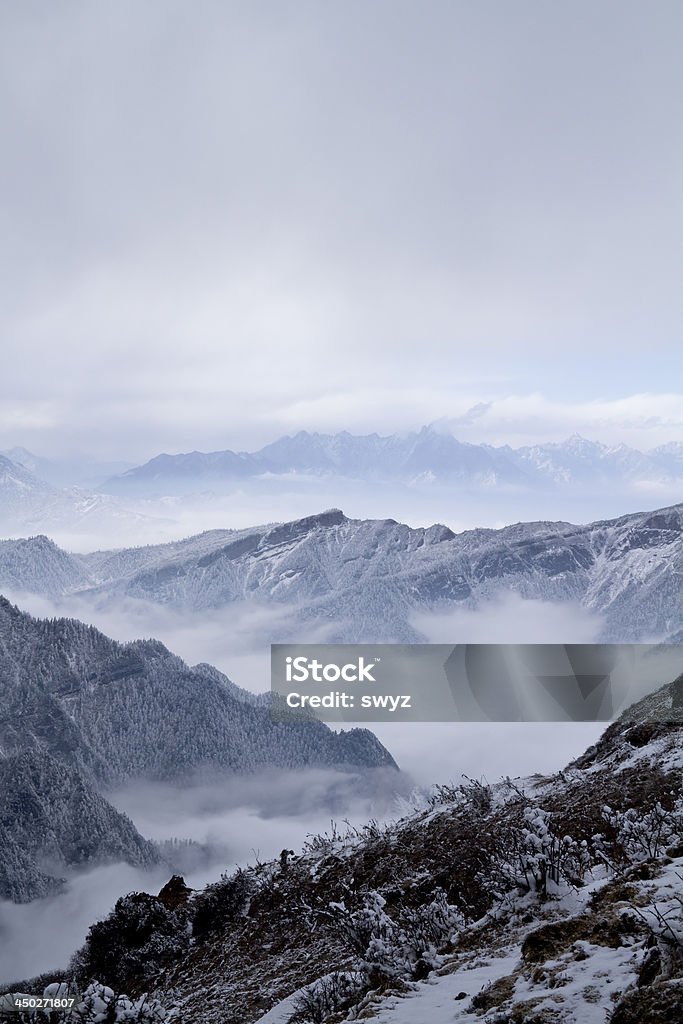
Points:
x=127 y=522
x=40 y=936
x=421 y=503
x=236 y=640
x=256 y=816
x=508 y=618
x=236 y=821
x=442 y=752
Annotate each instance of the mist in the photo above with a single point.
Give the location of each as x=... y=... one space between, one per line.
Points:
x=41 y=935
x=435 y=753
x=234 y=821
x=256 y=816
x=418 y=504
x=130 y=522
x=509 y=618
x=236 y=639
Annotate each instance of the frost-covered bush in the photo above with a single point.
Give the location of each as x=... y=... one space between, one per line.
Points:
x=665 y=920
x=394 y=946
x=100 y=1005
x=530 y=854
x=427 y=928
x=476 y=795
x=221 y=903
x=333 y=993
x=377 y=938
x=644 y=834
x=139 y=938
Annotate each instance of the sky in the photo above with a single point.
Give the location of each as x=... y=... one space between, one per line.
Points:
x=225 y=221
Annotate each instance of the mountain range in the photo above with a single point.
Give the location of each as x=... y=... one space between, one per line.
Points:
x=428 y=456
x=348 y=580
x=431 y=455
x=417 y=477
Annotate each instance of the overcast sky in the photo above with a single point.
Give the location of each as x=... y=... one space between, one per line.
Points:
x=226 y=221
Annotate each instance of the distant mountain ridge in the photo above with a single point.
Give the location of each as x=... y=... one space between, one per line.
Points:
x=28 y=501
x=430 y=455
x=422 y=476
x=354 y=580
x=66 y=471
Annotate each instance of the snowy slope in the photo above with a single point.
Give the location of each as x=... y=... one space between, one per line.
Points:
x=546 y=900
x=66 y=471
x=81 y=713
x=53 y=820
x=28 y=503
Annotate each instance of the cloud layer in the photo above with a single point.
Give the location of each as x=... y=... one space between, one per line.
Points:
x=226 y=223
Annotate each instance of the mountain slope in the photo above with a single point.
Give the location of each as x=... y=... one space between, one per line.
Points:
x=38 y=565
x=52 y=820
x=21 y=493
x=69 y=471
x=364 y=580
x=117 y=712
x=81 y=713
x=548 y=900
x=27 y=502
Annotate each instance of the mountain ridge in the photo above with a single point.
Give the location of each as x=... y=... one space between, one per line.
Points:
x=27 y=501
x=430 y=455
x=355 y=580
x=52 y=822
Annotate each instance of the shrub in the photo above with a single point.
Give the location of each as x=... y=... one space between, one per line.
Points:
x=221 y=903
x=395 y=948
x=530 y=855
x=129 y=947
x=643 y=834
x=334 y=993
x=100 y=1005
